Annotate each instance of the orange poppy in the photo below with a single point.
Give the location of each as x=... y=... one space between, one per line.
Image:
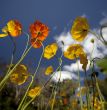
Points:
x=39 y=30
x=35 y=43
x=13 y=28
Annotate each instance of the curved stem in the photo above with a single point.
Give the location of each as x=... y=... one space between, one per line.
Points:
x=98 y=37
x=98 y=89
x=25 y=93
x=33 y=77
x=42 y=88
x=105 y=42
x=3 y=82
x=11 y=61
x=27 y=44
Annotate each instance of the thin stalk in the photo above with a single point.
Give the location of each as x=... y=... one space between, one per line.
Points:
x=56 y=88
x=21 y=59
x=87 y=95
x=41 y=88
x=105 y=42
x=25 y=93
x=100 y=95
x=93 y=33
x=98 y=37
x=81 y=103
x=11 y=61
x=33 y=77
x=50 y=97
x=53 y=102
x=93 y=90
x=3 y=82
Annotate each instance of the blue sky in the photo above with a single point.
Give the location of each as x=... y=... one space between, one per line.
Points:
x=57 y=14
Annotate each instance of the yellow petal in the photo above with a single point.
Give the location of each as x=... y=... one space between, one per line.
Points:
x=76 y=51
x=4 y=29
x=80 y=29
x=34 y=92
x=49 y=70
x=3 y=35
x=19 y=75
x=73 y=51
x=50 y=50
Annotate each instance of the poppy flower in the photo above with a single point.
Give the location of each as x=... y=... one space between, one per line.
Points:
x=76 y=51
x=80 y=29
x=49 y=70
x=13 y=28
x=19 y=75
x=35 y=43
x=34 y=92
x=50 y=50
x=39 y=30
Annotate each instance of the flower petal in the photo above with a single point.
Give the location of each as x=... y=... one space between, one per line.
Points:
x=50 y=50
x=49 y=70
x=80 y=28
x=3 y=35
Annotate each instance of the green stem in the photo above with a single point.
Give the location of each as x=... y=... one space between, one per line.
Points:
x=56 y=88
x=81 y=103
x=39 y=62
x=98 y=37
x=53 y=100
x=25 y=93
x=33 y=77
x=87 y=94
x=100 y=95
x=9 y=72
x=41 y=88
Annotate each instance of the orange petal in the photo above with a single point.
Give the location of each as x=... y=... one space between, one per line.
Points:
x=35 y=44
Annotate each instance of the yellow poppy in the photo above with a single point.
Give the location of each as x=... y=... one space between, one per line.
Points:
x=80 y=28
x=76 y=51
x=73 y=51
x=19 y=75
x=34 y=92
x=50 y=50
x=13 y=28
x=49 y=70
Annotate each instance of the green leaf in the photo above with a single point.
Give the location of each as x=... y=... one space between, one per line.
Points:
x=102 y=64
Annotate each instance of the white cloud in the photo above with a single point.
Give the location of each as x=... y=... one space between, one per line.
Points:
x=73 y=67
x=99 y=49
x=64 y=75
